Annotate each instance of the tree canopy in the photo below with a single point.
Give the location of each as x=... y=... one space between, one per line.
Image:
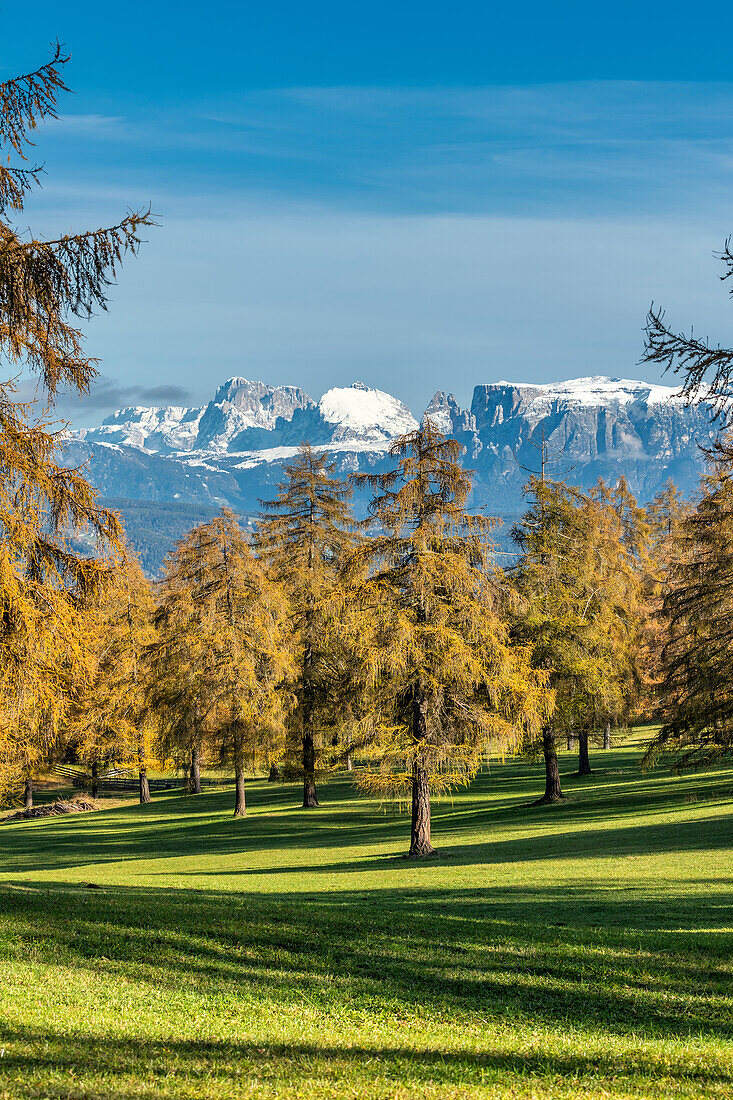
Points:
x=446 y=683
x=45 y=285
x=304 y=537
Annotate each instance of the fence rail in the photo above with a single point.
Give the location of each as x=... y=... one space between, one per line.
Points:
x=124 y=783
x=81 y=779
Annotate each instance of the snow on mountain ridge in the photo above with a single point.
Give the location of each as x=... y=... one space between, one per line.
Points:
x=361 y=413
x=233 y=450
x=154 y=428
x=246 y=417
x=596 y=390
x=258 y=404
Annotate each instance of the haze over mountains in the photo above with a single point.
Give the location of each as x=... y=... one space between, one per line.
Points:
x=231 y=450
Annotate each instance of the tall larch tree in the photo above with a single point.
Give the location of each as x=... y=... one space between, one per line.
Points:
x=697 y=687
x=45 y=285
x=447 y=685
x=665 y=517
x=113 y=720
x=695 y=663
x=177 y=660
x=622 y=536
x=218 y=599
x=575 y=579
x=305 y=536
x=45 y=667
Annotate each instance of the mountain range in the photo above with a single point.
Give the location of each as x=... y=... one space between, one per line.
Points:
x=231 y=451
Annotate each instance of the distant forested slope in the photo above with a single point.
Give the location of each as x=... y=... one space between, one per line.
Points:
x=154 y=526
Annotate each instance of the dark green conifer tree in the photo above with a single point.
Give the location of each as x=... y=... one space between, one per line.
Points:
x=577 y=583
x=697 y=685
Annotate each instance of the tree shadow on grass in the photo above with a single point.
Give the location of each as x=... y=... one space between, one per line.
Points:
x=704 y=835
x=131 y=1066
x=609 y=962
x=573 y=955
x=202 y=827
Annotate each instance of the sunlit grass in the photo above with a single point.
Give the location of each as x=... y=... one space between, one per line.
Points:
x=582 y=950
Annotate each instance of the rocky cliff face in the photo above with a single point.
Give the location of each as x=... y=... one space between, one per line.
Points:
x=593 y=427
x=231 y=451
x=448 y=416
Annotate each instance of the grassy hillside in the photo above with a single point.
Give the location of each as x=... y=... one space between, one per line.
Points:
x=583 y=950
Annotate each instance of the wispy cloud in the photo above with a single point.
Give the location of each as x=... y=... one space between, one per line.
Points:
x=105 y=395
x=546 y=149
x=91 y=125
x=417 y=239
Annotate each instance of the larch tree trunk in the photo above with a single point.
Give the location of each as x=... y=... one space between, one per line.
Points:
x=553 y=790
x=240 y=805
x=95 y=778
x=310 y=798
x=143 y=767
x=144 y=786
x=607 y=736
x=194 y=782
x=571 y=742
x=583 y=758
x=420 y=842
x=274 y=774
x=28 y=793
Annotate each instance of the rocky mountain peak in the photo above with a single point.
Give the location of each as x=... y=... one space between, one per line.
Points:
x=264 y=403
x=448 y=416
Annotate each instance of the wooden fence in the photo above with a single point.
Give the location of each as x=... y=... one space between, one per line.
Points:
x=83 y=780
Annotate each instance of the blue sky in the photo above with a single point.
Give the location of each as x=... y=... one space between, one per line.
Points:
x=420 y=196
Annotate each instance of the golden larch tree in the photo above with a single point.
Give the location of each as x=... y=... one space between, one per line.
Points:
x=447 y=685
x=305 y=536
x=224 y=653
x=578 y=583
x=45 y=285
x=114 y=724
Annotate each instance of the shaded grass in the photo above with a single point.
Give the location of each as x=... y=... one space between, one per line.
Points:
x=578 y=950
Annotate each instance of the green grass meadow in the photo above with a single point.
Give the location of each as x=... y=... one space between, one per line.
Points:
x=579 y=950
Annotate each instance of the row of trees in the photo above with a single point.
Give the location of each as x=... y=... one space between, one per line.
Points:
x=398 y=643
x=319 y=641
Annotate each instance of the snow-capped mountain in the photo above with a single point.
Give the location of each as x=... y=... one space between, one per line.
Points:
x=231 y=450
x=252 y=416
x=362 y=415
